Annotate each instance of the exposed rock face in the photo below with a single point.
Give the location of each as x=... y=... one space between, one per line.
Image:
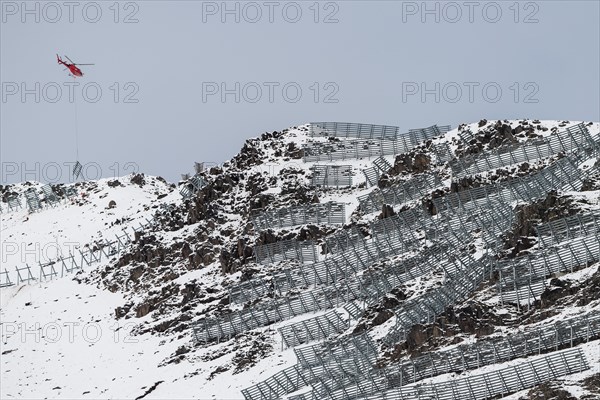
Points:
x=386 y=211
x=527 y=216
x=496 y=134
x=138 y=179
x=410 y=163
x=547 y=391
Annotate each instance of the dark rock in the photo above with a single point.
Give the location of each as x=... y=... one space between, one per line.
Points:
x=114 y=183
x=386 y=211
x=138 y=179
x=546 y=391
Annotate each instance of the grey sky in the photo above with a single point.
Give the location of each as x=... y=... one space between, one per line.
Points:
x=370 y=61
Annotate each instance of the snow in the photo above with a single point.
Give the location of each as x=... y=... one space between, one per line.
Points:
x=61 y=339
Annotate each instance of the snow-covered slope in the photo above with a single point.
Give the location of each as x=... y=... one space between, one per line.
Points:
x=122 y=327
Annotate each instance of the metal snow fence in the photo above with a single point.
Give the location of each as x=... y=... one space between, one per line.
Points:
x=332 y=175
x=336 y=361
x=300 y=375
x=443 y=153
x=5 y=279
x=332 y=269
x=285 y=381
x=493 y=350
x=359 y=148
x=450 y=227
x=316 y=328
x=563 y=174
x=51 y=197
x=373 y=174
x=88 y=255
x=495 y=383
x=330 y=213
x=572 y=139
x=366 y=131
x=392 y=236
x=305 y=252
x=425 y=308
x=399 y=193
x=528 y=272
x=466 y=137
x=568 y=228
x=353 y=130
x=382 y=164
x=14 y=203
x=269 y=311
x=33 y=200
x=371 y=286
x=191 y=186
x=344 y=239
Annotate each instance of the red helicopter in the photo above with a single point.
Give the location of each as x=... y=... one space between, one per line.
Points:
x=72 y=67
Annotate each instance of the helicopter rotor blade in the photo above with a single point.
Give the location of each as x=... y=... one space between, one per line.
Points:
x=84 y=64
x=69 y=60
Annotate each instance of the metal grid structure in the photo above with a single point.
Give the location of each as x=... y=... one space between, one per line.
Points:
x=316 y=328
x=331 y=175
x=373 y=174
x=337 y=285
x=49 y=195
x=77 y=168
x=469 y=274
x=85 y=256
x=493 y=350
x=399 y=193
x=353 y=130
x=523 y=278
x=449 y=227
x=328 y=213
x=572 y=139
x=462 y=274
x=14 y=203
x=304 y=252
x=191 y=186
x=315 y=363
x=329 y=274
x=426 y=307
x=466 y=136
x=556 y=231
x=392 y=236
x=497 y=382
x=33 y=200
x=360 y=148
x=343 y=239
x=561 y=174
x=325 y=272
x=443 y=153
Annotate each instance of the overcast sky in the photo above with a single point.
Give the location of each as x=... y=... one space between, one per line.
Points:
x=181 y=81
